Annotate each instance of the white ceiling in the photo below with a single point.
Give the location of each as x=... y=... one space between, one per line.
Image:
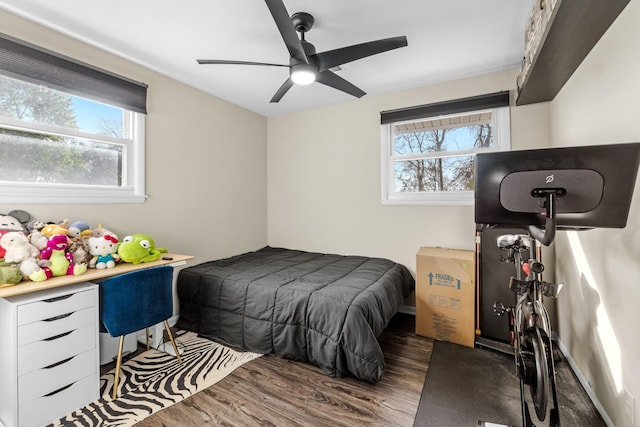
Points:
x=447 y=39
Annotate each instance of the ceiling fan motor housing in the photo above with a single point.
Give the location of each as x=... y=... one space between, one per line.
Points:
x=302 y=21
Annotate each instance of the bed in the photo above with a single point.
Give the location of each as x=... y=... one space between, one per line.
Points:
x=320 y=308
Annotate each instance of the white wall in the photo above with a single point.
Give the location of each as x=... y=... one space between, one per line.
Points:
x=324 y=176
x=598 y=307
x=205 y=163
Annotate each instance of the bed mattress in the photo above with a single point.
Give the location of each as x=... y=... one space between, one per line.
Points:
x=321 y=308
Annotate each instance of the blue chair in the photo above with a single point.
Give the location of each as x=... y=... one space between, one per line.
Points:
x=134 y=301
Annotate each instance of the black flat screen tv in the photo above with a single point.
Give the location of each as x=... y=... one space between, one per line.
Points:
x=593 y=185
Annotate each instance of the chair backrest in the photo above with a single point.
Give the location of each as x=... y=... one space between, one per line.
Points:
x=136 y=300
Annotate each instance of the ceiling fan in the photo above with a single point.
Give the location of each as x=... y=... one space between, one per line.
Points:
x=307 y=66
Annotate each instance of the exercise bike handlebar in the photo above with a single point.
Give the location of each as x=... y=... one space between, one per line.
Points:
x=547 y=235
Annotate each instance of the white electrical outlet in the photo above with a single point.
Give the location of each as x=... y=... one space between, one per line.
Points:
x=628 y=405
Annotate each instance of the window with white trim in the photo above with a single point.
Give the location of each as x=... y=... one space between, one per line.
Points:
x=69 y=134
x=428 y=152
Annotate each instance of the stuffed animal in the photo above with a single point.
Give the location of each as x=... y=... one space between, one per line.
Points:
x=104 y=252
x=20 y=253
x=80 y=230
x=23 y=217
x=34 y=225
x=14 y=222
x=139 y=248
x=30 y=266
x=39 y=240
x=50 y=230
x=60 y=260
x=9 y=275
x=101 y=231
x=8 y=224
x=17 y=247
x=79 y=249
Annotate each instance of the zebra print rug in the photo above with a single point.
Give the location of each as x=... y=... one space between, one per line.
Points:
x=154 y=380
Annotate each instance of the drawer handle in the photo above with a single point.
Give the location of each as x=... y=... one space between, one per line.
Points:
x=62 y=362
x=55 y=337
x=53 y=319
x=60 y=298
x=58 y=390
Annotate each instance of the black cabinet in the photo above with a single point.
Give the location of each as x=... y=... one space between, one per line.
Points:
x=494 y=284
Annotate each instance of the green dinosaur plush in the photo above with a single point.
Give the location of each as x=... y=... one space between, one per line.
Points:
x=139 y=248
x=9 y=275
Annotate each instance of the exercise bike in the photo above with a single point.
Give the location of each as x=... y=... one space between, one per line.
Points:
x=529 y=325
x=570 y=188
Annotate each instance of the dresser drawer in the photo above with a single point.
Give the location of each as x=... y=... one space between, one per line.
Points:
x=55 y=349
x=56 y=306
x=49 y=408
x=47 y=380
x=41 y=329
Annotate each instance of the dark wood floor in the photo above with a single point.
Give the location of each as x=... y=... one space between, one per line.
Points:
x=270 y=391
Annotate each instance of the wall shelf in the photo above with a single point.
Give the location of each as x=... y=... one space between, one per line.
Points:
x=575 y=26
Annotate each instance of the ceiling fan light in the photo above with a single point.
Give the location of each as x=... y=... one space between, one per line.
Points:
x=303 y=74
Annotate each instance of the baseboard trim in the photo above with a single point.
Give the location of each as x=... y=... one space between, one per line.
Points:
x=585 y=384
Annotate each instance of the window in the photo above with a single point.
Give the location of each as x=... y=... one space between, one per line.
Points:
x=70 y=133
x=428 y=152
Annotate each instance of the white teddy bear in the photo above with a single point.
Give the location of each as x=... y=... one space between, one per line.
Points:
x=18 y=247
x=20 y=252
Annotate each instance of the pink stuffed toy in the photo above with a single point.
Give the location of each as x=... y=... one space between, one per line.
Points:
x=60 y=260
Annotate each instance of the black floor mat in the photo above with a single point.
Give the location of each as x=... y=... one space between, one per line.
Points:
x=465 y=385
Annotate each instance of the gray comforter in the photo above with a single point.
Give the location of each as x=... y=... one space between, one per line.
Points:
x=321 y=308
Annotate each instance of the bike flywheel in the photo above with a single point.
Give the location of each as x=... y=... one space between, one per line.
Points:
x=540 y=385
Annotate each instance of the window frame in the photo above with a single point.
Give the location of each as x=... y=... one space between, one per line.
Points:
x=29 y=63
x=48 y=193
x=500 y=120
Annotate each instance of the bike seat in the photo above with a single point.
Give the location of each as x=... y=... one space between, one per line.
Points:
x=507 y=241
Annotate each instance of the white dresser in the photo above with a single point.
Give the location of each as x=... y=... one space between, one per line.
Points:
x=49 y=354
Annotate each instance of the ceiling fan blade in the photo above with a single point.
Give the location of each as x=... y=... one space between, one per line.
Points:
x=283 y=89
x=331 y=79
x=331 y=58
x=288 y=33
x=222 y=61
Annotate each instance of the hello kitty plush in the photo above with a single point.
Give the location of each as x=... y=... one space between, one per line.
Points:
x=104 y=251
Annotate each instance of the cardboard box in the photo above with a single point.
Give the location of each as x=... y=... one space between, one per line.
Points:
x=445 y=295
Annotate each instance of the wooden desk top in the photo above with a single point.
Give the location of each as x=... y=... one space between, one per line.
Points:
x=91 y=275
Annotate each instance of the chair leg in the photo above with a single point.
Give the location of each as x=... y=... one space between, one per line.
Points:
x=173 y=342
x=118 y=364
x=147 y=331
